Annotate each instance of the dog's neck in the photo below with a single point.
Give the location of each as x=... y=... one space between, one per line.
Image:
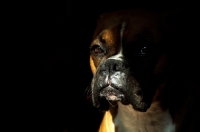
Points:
x=124 y=117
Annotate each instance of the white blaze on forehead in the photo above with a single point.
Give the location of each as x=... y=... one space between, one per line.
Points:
x=119 y=56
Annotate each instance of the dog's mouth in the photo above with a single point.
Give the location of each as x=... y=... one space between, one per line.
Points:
x=111 y=96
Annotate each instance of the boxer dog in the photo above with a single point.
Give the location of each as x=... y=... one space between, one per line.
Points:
x=131 y=66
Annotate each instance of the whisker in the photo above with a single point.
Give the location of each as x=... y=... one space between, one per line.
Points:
x=86 y=90
x=89 y=94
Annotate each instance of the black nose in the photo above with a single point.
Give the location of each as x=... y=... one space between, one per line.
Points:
x=112 y=65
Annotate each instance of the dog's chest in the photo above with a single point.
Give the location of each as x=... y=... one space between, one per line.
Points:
x=154 y=120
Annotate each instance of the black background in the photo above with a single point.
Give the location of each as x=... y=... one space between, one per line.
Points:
x=49 y=61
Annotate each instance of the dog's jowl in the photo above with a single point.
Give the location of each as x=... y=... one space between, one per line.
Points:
x=130 y=62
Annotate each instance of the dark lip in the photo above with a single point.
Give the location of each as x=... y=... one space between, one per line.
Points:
x=111 y=94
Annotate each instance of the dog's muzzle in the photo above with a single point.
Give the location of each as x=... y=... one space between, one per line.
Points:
x=112 y=83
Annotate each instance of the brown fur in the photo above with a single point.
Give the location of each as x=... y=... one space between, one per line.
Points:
x=169 y=109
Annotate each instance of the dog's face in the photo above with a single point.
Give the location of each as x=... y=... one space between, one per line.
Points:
x=127 y=59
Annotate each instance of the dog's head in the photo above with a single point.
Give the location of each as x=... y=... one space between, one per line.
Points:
x=128 y=59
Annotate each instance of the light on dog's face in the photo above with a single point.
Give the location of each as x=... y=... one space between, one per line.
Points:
x=124 y=56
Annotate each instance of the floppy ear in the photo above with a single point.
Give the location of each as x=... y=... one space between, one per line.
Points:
x=101 y=16
x=171 y=16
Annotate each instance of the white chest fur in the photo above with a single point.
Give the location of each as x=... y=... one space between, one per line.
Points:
x=154 y=120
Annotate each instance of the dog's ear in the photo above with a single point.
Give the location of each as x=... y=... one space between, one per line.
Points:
x=101 y=16
x=172 y=16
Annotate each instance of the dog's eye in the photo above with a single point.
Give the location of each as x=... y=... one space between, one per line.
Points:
x=96 y=49
x=145 y=50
